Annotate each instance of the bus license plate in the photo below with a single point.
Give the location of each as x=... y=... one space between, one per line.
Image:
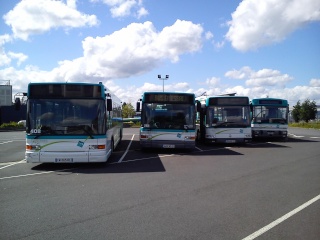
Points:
x=168 y=146
x=64 y=160
x=230 y=141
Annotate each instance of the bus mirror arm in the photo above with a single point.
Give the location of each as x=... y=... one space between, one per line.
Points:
x=138 y=107
x=109 y=104
x=198 y=106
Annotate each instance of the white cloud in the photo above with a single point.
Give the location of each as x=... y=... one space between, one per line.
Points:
x=243 y=73
x=6 y=58
x=4 y=39
x=263 y=77
x=19 y=56
x=209 y=35
x=37 y=16
x=112 y=56
x=213 y=81
x=123 y=8
x=142 y=12
x=218 y=45
x=133 y=93
x=315 y=82
x=257 y=23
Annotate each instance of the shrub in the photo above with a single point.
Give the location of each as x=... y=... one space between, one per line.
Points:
x=11 y=125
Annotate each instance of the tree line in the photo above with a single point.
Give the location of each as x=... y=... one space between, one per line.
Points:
x=305 y=111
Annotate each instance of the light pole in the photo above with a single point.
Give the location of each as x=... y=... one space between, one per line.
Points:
x=160 y=78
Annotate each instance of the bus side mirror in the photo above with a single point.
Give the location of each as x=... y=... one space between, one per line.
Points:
x=138 y=107
x=198 y=107
x=109 y=105
x=17 y=104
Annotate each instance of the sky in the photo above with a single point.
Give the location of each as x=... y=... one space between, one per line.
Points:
x=255 y=48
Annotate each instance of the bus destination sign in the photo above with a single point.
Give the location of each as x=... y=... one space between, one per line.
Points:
x=169 y=98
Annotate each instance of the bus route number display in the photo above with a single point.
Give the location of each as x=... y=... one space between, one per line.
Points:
x=167 y=98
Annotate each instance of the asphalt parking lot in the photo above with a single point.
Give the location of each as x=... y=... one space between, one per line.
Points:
x=264 y=190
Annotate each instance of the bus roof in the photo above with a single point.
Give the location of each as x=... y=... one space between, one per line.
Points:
x=269 y=101
x=223 y=100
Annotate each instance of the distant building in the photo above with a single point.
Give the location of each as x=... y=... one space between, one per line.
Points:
x=5 y=93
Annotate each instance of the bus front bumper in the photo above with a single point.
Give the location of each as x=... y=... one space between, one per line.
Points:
x=65 y=157
x=270 y=133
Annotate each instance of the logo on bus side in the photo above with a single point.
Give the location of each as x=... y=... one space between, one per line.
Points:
x=80 y=144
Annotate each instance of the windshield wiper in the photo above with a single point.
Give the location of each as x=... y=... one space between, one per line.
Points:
x=87 y=130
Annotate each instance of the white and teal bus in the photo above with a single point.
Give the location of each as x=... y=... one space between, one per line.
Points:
x=71 y=123
x=167 y=120
x=269 y=117
x=223 y=119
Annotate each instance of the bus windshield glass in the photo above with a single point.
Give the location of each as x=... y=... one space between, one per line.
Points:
x=270 y=114
x=228 y=116
x=168 y=116
x=66 y=117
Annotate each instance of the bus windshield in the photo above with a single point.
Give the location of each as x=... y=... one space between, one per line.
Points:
x=228 y=116
x=270 y=114
x=168 y=116
x=66 y=116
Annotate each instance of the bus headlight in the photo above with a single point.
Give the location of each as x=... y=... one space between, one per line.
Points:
x=97 y=147
x=210 y=136
x=144 y=136
x=33 y=147
x=190 y=137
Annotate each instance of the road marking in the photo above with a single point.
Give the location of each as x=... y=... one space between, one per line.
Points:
x=140 y=159
x=296 y=136
x=125 y=153
x=6 y=142
x=14 y=163
x=314 y=137
x=199 y=149
x=281 y=219
x=33 y=174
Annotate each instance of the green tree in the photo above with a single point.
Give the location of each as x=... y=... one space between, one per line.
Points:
x=308 y=110
x=128 y=110
x=296 y=112
x=305 y=111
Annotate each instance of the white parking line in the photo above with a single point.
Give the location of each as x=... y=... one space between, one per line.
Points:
x=295 y=135
x=14 y=163
x=33 y=174
x=125 y=153
x=6 y=142
x=199 y=149
x=281 y=219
